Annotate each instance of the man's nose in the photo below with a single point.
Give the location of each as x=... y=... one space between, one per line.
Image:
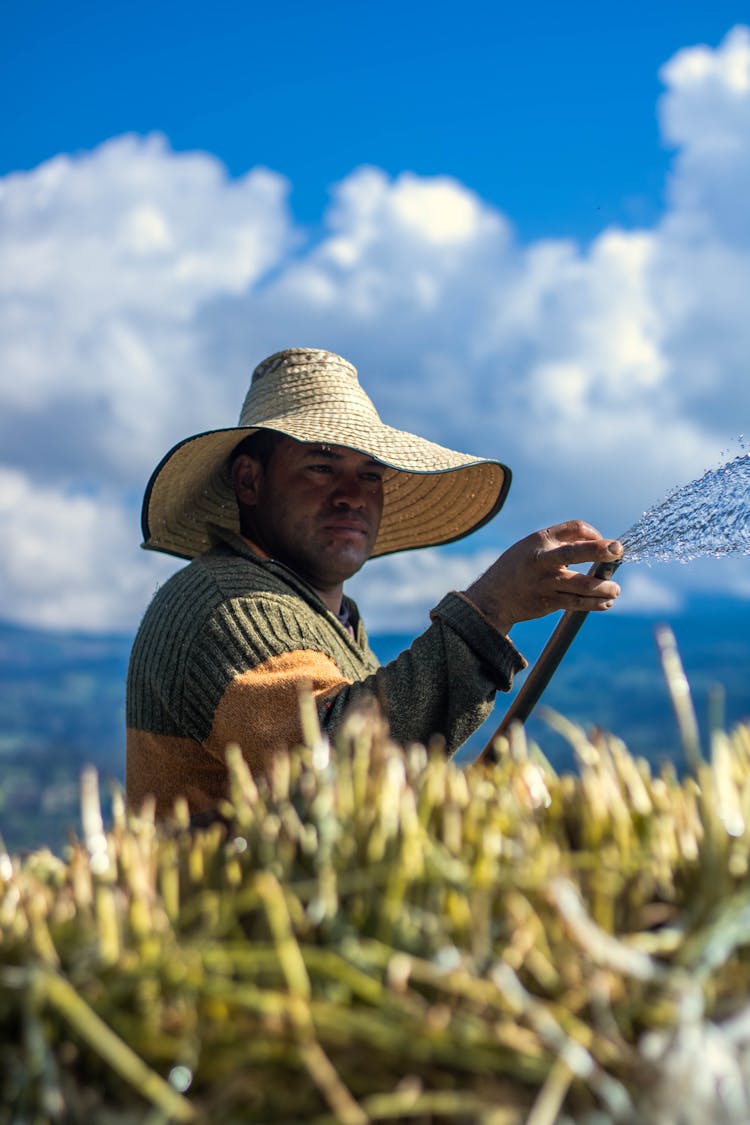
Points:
x=349 y=490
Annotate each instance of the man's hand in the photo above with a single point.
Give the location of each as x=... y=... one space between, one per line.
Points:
x=532 y=578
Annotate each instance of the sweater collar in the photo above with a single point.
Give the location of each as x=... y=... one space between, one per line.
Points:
x=347 y=617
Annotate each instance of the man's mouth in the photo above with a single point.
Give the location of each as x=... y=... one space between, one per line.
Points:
x=347 y=527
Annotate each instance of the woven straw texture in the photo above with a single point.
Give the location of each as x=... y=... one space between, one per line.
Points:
x=433 y=495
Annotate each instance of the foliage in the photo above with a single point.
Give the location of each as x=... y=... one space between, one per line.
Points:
x=378 y=935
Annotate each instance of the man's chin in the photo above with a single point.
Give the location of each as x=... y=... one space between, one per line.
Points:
x=349 y=568
x=346 y=563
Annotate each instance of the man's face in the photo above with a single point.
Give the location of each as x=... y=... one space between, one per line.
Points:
x=316 y=508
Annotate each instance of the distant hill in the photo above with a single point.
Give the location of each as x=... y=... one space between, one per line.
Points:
x=62 y=705
x=62 y=698
x=611 y=676
x=63 y=688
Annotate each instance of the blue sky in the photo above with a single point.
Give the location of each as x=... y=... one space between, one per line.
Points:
x=528 y=226
x=547 y=110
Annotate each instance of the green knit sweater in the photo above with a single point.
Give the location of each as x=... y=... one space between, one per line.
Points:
x=222 y=649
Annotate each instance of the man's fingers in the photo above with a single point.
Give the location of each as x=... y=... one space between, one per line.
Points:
x=573 y=530
x=597 y=550
x=579 y=591
x=580 y=585
x=588 y=605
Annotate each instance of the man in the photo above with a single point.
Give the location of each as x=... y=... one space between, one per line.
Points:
x=276 y=514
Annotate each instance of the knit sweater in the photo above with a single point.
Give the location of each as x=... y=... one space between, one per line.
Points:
x=224 y=645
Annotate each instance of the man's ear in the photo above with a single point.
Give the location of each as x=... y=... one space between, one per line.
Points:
x=247 y=474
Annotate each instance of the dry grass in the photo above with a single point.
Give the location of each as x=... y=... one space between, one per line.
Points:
x=381 y=936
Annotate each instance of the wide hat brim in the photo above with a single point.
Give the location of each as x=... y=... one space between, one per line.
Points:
x=432 y=495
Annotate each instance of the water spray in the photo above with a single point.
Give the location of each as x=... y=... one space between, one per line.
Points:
x=710 y=516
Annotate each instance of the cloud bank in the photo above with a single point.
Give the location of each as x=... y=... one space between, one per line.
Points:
x=139 y=287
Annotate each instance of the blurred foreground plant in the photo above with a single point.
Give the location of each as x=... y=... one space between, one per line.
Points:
x=378 y=935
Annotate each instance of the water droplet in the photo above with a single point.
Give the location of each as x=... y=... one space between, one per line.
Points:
x=447 y=958
x=180 y=1077
x=99 y=863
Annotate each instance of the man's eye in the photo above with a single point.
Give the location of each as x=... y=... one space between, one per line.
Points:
x=376 y=478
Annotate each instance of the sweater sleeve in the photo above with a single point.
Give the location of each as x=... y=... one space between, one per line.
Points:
x=444 y=683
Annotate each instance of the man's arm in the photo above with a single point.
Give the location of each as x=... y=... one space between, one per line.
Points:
x=247 y=668
x=443 y=684
x=446 y=682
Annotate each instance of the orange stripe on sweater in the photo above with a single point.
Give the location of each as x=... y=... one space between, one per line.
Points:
x=260 y=708
x=166 y=767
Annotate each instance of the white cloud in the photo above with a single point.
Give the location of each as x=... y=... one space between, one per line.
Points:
x=106 y=261
x=645 y=593
x=69 y=561
x=706 y=107
x=439 y=211
x=138 y=287
x=398 y=591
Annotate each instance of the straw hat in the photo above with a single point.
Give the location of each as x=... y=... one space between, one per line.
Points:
x=434 y=495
